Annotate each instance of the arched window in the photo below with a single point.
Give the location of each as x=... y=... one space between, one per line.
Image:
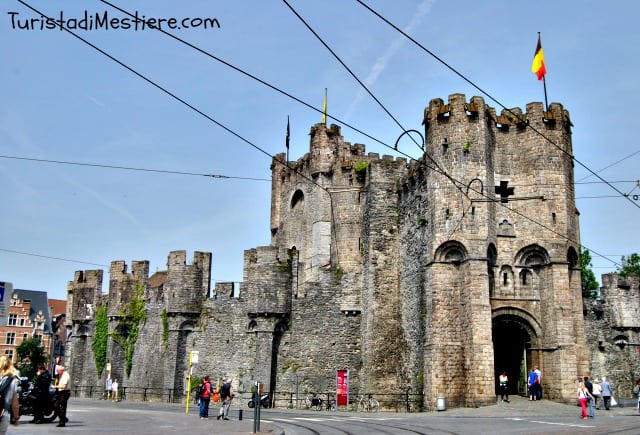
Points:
x=298 y=197
x=526 y=278
x=572 y=258
x=492 y=258
x=532 y=256
x=506 y=277
x=451 y=252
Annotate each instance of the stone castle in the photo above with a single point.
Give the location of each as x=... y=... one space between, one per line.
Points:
x=425 y=276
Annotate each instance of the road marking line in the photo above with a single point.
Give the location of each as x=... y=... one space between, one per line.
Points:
x=550 y=422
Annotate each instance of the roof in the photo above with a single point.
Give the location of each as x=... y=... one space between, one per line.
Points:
x=58 y=306
x=158 y=279
x=39 y=302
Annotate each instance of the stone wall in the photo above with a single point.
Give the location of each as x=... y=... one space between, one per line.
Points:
x=414 y=275
x=613 y=333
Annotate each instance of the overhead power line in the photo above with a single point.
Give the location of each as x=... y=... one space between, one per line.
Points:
x=250 y=143
x=128 y=168
x=493 y=99
x=457 y=183
x=31 y=254
x=612 y=164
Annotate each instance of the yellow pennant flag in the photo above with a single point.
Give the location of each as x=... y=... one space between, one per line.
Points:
x=324 y=107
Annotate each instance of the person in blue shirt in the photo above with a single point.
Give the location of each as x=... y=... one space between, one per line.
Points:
x=532 y=382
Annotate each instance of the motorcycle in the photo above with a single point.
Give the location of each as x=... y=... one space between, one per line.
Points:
x=28 y=401
x=264 y=401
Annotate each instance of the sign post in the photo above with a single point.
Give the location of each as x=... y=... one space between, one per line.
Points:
x=193 y=359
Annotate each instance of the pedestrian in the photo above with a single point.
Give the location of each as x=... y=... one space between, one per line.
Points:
x=531 y=382
x=597 y=392
x=226 y=394
x=114 y=390
x=583 y=397
x=539 y=383
x=63 y=395
x=504 y=387
x=206 y=391
x=607 y=392
x=8 y=387
x=107 y=387
x=41 y=392
x=590 y=399
x=636 y=391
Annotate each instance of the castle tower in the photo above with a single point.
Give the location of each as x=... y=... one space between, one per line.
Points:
x=84 y=295
x=502 y=289
x=316 y=204
x=458 y=333
x=187 y=285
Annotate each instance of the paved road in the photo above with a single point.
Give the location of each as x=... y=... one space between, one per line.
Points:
x=518 y=417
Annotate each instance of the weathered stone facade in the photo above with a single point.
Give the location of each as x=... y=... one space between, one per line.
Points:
x=408 y=273
x=613 y=333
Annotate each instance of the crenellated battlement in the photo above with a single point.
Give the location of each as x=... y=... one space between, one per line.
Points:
x=84 y=293
x=459 y=111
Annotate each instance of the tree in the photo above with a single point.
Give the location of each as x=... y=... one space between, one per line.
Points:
x=30 y=355
x=630 y=265
x=589 y=284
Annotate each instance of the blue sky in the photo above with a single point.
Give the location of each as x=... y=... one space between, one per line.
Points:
x=62 y=100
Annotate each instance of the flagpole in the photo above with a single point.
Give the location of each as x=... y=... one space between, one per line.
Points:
x=538 y=68
x=287 y=139
x=544 y=85
x=546 y=103
x=324 y=108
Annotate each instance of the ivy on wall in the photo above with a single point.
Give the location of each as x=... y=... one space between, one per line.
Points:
x=361 y=170
x=165 y=328
x=132 y=317
x=100 y=336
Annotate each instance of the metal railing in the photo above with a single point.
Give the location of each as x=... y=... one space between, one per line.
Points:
x=143 y=394
x=389 y=402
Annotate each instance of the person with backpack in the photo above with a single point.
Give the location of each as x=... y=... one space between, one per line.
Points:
x=226 y=394
x=205 y=391
x=9 y=413
x=590 y=398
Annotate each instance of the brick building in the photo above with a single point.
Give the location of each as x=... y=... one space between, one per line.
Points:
x=29 y=317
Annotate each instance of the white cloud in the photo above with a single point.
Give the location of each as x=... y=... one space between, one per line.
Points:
x=381 y=63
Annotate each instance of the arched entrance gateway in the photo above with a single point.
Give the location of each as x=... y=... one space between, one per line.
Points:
x=514 y=339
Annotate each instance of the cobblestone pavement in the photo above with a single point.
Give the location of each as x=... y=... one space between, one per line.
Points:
x=102 y=417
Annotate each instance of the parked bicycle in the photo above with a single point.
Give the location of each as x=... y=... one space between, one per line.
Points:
x=367 y=404
x=331 y=405
x=313 y=402
x=317 y=403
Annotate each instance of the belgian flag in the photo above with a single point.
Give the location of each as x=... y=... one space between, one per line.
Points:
x=537 y=67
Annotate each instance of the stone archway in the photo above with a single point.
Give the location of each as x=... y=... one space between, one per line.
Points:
x=514 y=334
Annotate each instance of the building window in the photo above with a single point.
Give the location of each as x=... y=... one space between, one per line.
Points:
x=25 y=337
x=37 y=337
x=13 y=319
x=21 y=322
x=11 y=337
x=9 y=353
